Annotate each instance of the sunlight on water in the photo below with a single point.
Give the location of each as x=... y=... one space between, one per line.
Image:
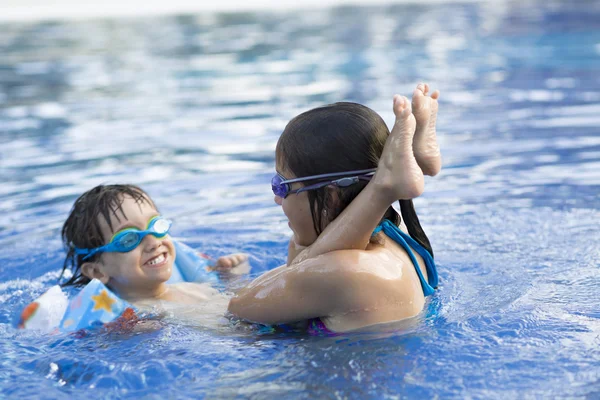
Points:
x=191 y=106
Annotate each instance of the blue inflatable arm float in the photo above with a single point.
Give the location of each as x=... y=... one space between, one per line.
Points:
x=191 y=266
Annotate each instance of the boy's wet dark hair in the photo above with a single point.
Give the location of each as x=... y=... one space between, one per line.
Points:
x=82 y=227
x=340 y=137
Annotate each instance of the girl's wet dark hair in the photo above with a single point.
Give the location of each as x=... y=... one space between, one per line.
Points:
x=82 y=227
x=340 y=137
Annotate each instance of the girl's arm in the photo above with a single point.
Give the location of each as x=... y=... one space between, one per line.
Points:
x=316 y=287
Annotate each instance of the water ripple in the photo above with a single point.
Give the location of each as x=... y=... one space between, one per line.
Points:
x=191 y=107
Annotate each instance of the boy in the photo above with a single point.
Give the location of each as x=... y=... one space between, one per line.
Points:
x=115 y=234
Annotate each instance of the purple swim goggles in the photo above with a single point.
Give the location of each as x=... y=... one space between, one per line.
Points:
x=283 y=187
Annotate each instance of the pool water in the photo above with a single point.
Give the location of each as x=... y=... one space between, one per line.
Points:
x=190 y=108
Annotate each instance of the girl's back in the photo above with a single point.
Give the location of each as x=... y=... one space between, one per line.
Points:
x=387 y=287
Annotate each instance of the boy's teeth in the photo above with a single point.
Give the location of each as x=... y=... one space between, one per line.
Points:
x=157 y=260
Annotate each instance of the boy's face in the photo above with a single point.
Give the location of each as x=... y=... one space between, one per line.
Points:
x=144 y=269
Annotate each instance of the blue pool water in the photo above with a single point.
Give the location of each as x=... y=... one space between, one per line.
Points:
x=190 y=107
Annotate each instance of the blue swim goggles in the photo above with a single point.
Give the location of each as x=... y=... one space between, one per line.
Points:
x=282 y=187
x=128 y=239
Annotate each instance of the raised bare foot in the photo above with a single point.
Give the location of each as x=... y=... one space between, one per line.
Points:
x=398 y=172
x=425 y=146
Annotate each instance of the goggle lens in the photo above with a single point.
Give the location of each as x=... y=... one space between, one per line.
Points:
x=278 y=188
x=128 y=241
x=161 y=227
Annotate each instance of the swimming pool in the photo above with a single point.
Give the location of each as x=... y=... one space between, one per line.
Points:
x=190 y=107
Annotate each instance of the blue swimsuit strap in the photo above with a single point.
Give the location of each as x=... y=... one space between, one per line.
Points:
x=407 y=242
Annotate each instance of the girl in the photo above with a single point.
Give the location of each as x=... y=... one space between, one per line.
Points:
x=349 y=264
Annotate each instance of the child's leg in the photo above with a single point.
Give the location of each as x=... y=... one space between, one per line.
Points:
x=425 y=146
x=398 y=177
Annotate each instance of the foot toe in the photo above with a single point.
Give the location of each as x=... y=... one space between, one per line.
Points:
x=417 y=94
x=399 y=104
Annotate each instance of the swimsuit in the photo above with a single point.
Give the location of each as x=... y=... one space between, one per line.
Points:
x=318 y=328
x=407 y=242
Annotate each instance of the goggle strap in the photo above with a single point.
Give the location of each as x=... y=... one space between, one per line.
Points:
x=331 y=175
x=354 y=179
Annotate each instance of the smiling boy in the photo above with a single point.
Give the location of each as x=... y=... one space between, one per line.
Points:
x=115 y=234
